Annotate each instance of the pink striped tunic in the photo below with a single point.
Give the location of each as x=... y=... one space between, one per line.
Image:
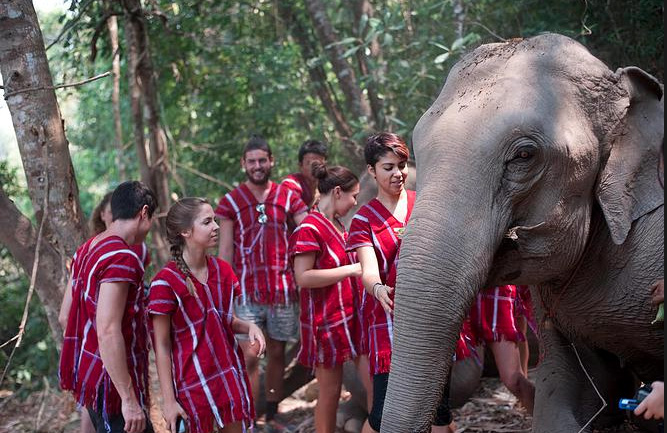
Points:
x=207 y=362
x=81 y=369
x=374 y=226
x=329 y=326
x=260 y=249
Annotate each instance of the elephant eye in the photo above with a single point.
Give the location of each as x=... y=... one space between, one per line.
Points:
x=524 y=153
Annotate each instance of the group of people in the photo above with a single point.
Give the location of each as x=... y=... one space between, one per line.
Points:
x=287 y=269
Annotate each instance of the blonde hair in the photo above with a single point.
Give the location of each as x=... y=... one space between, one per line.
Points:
x=181 y=217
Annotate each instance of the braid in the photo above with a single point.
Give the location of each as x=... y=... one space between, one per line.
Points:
x=177 y=256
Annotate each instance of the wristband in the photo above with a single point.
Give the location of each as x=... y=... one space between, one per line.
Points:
x=375 y=289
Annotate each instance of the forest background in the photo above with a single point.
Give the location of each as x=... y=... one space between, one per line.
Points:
x=184 y=83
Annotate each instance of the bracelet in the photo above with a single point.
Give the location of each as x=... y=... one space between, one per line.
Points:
x=375 y=289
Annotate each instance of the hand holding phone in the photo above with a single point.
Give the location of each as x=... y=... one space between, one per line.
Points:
x=632 y=403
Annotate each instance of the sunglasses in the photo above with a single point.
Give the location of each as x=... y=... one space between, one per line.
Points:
x=262 y=218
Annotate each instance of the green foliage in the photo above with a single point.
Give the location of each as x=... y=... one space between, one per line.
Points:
x=36 y=356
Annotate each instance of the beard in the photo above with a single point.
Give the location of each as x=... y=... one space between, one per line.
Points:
x=259 y=177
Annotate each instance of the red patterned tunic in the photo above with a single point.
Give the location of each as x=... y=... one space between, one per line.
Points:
x=297 y=183
x=329 y=327
x=493 y=315
x=207 y=363
x=260 y=242
x=374 y=226
x=81 y=369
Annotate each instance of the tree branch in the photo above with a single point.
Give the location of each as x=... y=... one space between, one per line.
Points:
x=59 y=86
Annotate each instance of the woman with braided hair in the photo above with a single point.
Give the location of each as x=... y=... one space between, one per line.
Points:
x=199 y=362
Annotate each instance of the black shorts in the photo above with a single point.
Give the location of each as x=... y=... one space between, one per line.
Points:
x=443 y=416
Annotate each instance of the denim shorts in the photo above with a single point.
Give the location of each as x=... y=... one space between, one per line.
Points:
x=280 y=322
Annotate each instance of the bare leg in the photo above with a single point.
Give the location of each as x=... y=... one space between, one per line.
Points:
x=330 y=381
x=365 y=377
x=524 y=352
x=508 y=361
x=275 y=369
x=237 y=427
x=86 y=423
x=252 y=366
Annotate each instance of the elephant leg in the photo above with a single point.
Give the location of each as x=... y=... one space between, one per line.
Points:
x=465 y=379
x=565 y=399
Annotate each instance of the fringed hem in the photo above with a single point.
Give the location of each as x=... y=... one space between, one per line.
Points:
x=500 y=336
x=197 y=422
x=380 y=363
x=313 y=363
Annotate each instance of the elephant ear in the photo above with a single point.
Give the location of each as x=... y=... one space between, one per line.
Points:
x=628 y=184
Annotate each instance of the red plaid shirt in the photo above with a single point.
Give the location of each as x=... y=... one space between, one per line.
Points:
x=81 y=369
x=374 y=226
x=329 y=328
x=297 y=183
x=207 y=363
x=260 y=250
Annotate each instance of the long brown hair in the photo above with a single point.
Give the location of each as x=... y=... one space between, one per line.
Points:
x=96 y=224
x=181 y=217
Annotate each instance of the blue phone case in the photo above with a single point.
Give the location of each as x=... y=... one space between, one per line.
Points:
x=628 y=404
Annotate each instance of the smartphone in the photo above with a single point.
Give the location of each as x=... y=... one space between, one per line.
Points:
x=180 y=425
x=632 y=403
x=628 y=404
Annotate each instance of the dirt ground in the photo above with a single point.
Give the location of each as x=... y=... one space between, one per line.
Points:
x=492 y=410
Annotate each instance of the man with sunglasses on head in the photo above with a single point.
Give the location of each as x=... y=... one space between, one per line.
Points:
x=254 y=220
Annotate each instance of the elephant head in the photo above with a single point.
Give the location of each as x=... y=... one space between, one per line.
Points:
x=525 y=142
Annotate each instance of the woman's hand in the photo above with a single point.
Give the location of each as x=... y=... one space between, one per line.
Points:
x=257 y=340
x=171 y=412
x=381 y=293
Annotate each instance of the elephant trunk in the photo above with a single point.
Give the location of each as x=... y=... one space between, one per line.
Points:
x=445 y=258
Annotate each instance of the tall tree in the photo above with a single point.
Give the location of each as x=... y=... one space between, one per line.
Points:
x=143 y=77
x=45 y=155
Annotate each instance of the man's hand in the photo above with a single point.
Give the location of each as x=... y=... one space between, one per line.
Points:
x=135 y=419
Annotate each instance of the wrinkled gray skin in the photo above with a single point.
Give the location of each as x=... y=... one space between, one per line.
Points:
x=539 y=138
x=466 y=373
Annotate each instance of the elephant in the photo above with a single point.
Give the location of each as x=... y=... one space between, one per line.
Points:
x=536 y=165
x=468 y=372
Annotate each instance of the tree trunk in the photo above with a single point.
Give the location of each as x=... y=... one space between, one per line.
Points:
x=112 y=24
x=319 y=81
x=361 y=8
x=144 y=76
x=20 y=238
x=45 y=156
x=356 y=104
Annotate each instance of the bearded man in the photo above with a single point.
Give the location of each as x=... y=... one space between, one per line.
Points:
x=254 y=221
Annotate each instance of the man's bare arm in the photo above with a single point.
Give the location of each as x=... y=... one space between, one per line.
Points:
x=110 y=310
